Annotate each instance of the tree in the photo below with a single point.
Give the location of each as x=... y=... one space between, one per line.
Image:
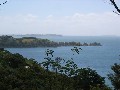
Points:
x=115 y=76
x=88 y=78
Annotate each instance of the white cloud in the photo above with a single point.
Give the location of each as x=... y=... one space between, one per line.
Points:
x=77 y=24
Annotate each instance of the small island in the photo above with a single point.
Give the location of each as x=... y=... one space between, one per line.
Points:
x=29 y=42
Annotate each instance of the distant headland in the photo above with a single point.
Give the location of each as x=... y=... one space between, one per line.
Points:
x=35 y=35
x=29 y=42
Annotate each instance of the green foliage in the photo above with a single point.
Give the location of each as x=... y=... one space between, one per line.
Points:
x=82 y=79
x=19 y=73
x=15 y=75
x=70 y=68
x=86 y=78
x=115 y=76
x=100 y=88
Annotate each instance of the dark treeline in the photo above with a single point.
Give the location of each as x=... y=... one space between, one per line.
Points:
x=19 y=73
x=9 y=42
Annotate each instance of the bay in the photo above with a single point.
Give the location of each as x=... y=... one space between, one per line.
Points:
x=99 y=58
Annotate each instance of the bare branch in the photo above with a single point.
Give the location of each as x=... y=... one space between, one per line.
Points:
x=116 y=12
x=115 y=5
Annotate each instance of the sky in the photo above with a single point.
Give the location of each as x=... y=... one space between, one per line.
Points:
x=65 y=17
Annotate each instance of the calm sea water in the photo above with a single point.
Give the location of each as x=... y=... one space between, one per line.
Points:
x=99 y=58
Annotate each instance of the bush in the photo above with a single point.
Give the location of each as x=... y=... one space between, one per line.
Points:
x=87 y=78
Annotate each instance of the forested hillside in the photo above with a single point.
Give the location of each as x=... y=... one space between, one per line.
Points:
x=19 y=73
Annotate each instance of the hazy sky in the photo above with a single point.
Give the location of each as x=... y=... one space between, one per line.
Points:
x=66 y=17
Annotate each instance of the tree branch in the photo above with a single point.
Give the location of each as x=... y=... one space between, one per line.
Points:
x=115 y=5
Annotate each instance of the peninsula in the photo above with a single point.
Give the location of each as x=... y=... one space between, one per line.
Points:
x=29 y=42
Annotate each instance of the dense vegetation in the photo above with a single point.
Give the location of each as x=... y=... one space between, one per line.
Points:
x=19 y=73
x=9 y=41
x=115 y=76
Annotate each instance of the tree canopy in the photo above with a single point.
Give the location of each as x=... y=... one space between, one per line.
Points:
x=19 y=73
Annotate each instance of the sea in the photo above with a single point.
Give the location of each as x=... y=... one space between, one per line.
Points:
x=99 y=58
